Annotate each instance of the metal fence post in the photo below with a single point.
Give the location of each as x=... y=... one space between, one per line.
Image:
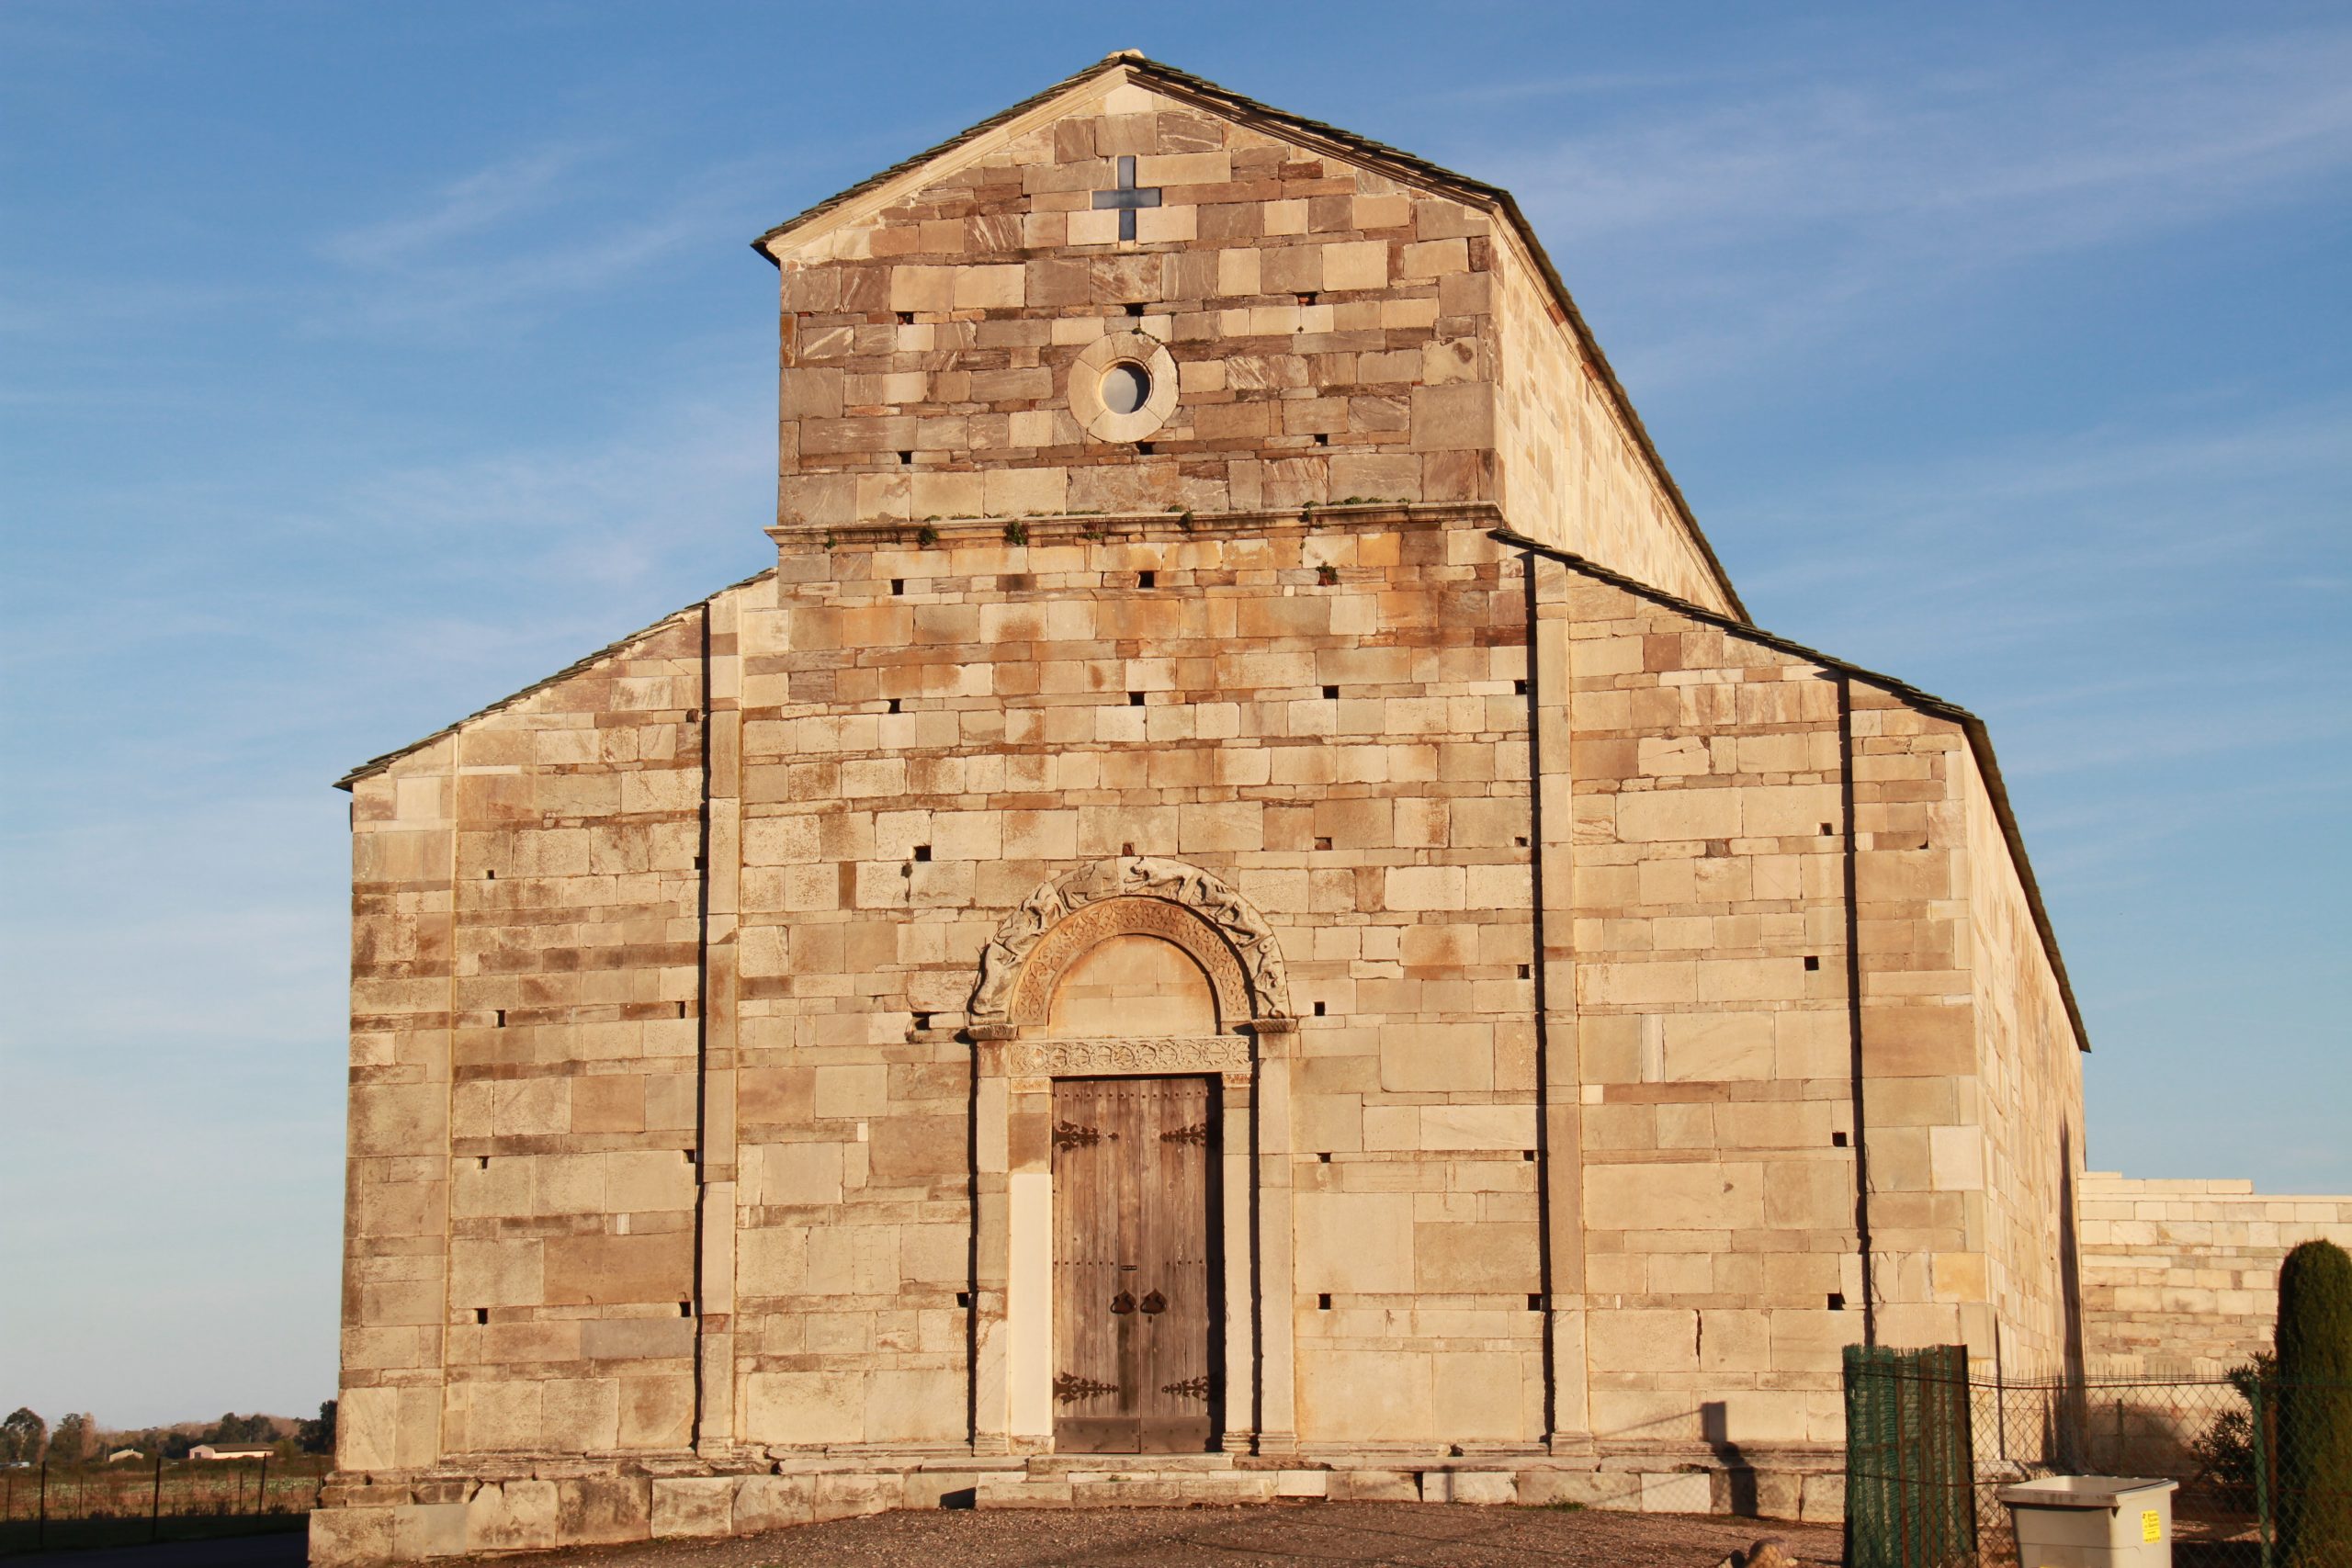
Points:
x=2266 y=1434
x=155 y=1501
x=41 y=1525
x=261 y=1488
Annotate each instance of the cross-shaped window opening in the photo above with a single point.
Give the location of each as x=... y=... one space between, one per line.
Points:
x=1126 y=197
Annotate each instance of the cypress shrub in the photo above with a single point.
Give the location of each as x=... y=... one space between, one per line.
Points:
x=2315 y=1406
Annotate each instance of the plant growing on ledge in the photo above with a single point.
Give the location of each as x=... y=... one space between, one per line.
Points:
x=1016 y=533
x=926 y=535
x=1326 y=574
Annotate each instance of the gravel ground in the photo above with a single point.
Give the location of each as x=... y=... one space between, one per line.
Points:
x=1407 y=1535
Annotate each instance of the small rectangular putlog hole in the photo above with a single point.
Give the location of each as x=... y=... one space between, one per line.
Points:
x=1812 y=962
x=502 y=1017
x=482 y=1314
x=922 y=1021
x=681 y=1010
x=1322 y=438
x=898 y=585
x=1318 y=1009
x=1837 y=1300
x=1535 y=1300
x=1518 y=688
x=1837 y=1140
x=1135 y=699
x=922 y=852
x=1324 y=1157
x=964 y=1299
x=1323 y=1301
x=1330 y=694
x=894 y=704
x=1826 y=832
x=685 y=1309
x=1527 y=971
x=905 y=460
x=1146 y=578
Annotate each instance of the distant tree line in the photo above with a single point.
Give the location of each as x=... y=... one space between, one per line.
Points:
x=27 y=1438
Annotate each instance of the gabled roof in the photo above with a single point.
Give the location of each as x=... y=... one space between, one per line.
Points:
x=1980 y=740
x=1346 y=145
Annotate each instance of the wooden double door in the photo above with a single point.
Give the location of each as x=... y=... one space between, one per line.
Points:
x=1137 y=1266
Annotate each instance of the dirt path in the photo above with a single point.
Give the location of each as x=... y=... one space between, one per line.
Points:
x=1358 y=1535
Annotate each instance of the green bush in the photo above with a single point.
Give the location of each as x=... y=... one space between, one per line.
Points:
x=2226 y=1448
x=2314 y=1428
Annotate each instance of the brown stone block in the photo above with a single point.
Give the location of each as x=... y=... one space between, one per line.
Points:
x=918 y=1149
x=595 y=1271
x=1918 y=1042
x=608 y=1103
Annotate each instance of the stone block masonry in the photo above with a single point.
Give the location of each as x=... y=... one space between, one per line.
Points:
x=1227 y=624
x=2182 y=1276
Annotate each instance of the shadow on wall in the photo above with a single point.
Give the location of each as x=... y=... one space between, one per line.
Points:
x=1714 y=1422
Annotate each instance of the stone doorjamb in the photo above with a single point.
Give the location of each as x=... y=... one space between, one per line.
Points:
x=1015 y=1062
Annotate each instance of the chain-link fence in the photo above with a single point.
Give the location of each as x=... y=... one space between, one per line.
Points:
x=2258 y=1486
x=50 y=1506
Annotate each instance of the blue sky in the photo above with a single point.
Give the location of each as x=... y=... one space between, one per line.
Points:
x=359 y=363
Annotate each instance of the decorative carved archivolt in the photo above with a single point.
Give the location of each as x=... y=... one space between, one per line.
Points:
x=1177 y=1056
x=1134 y=893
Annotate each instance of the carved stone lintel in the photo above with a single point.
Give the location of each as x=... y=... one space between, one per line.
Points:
x=1224 y=931
x=1229 y=1054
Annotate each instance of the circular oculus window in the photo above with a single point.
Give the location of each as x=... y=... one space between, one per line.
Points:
x=1125 y=387
x=1122 y=386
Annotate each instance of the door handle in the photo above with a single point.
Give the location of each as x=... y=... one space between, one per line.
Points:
x=1122 y=1304
x=1154 y=1303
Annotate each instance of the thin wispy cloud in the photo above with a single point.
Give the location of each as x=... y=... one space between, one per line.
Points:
x=1786 y=208
x=514 y=240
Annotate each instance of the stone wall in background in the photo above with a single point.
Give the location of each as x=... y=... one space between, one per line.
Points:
x=2179 y=1272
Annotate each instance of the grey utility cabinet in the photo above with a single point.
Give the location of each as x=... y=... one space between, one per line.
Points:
x=2092 y=1521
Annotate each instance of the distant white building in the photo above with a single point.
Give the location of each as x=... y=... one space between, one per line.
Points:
x=232 y=1451
x=121 y=1454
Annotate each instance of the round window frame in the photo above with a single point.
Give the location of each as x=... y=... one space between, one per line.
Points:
x=1085 y=386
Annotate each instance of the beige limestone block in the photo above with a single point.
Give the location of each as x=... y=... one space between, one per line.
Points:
x=1357 y=1394
x=1357 y=1243
x=1478 y=1127
x=773 y=1502
x=795 y=1174
x=1441 y=1057
x=1678 y=814
x=1711 y=1047
x=801 y=1409
x=1697 y=1196
x=914 y=1405
x=851 y=1091
x=692 y=1505
x=1464 y=1257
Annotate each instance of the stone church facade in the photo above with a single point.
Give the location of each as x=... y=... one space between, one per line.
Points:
x=1243 y=908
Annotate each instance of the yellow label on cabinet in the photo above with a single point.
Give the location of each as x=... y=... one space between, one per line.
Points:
x=2152 y=1525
